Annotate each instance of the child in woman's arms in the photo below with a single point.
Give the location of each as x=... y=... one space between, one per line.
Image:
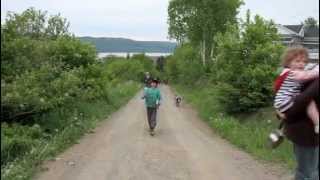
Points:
x=289 y=82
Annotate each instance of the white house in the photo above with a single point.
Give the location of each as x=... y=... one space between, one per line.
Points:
x=307 y=36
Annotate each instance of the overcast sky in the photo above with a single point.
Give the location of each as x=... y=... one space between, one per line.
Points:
x=147 y=19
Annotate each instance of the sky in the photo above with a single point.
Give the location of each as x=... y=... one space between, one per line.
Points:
x=147 y=19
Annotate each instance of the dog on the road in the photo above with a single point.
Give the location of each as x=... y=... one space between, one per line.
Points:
x=178 y=100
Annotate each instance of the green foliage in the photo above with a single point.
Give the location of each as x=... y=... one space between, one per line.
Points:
x=238 y=80
x=121 y=69
x=194 y=19
x=246 y=131
x=160 y=64
x=251 y=137
x=311 y=21
x=71 y=52
x=21 y=54
x=47 y=88
x=26 y=147
x=198 y=21
x=34 y=24
x=245 y=66
x=18 y=140
x=243 y=69
x=25 y=54
x=31 y=38
x=146 y=61
x=40 y=64
x=51 y=82
x=57 y=26
x=184 y=65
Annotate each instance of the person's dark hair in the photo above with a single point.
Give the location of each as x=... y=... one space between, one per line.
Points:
x=154 y=80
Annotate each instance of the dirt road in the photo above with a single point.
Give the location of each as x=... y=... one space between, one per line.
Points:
x=184 y=148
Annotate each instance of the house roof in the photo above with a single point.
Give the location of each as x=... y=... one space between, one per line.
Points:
x=311 y=31
x=308 y=31
x=283 y=30
x=295 y=28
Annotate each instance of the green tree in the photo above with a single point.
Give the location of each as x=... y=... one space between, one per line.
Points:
x=184 y=66
x=310 y=21
x=40 y=63
x=26 y=40
x=198 y=21
x=34 y=24
x=160 y=63
x=29 y=23
x=246 y=64
x=57 y=26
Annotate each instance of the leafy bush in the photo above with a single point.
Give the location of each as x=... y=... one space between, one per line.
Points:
x=184 y=66
x=16 y=140
x=71 y=52
x=242 y=71
x=40 y=64
x=35 y=24
x=46 y=74
x=245 y=66
x=119 y=69
x=38 y=91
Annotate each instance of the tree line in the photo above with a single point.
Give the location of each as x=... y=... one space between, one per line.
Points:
x=237 y=58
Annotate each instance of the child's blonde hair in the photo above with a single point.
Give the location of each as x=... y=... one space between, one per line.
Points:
x=291 y=53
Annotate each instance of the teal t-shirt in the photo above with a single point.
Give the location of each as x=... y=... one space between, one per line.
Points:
x=152 y=95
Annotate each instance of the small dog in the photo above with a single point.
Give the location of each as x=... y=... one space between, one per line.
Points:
x=178 y=100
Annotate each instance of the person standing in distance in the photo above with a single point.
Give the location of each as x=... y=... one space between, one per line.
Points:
x=152 y=98
x=147 y=79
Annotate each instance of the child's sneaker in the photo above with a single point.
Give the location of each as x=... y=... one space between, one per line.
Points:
x=316 y=128
x=276 y=138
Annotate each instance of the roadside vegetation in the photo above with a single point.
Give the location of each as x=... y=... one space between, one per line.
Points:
x=54 y=89
x=225 y=69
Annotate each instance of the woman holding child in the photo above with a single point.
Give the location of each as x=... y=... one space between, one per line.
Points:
x=297 y=101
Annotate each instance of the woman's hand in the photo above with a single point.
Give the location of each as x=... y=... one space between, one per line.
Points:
x=305 y=75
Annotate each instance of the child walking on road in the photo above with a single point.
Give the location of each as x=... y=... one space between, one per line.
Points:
x=152 y=98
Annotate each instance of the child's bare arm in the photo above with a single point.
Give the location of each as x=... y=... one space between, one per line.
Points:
x=305 y=75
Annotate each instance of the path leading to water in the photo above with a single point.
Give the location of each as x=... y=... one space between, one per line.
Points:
x=184 y=148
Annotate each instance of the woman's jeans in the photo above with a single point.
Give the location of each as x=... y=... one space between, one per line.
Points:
x=307 y=162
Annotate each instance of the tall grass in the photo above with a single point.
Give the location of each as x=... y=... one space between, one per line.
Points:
x=61 y=128
x=247 y=131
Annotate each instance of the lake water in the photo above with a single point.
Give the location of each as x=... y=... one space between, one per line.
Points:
x=124 y=54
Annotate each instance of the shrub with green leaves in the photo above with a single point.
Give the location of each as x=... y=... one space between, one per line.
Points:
x=16 y=140
x=52 y=83
x=184 y=65
x=38 y=91
x=246 y=64
x=71 y=52
x=242 y=70
x=40 y=64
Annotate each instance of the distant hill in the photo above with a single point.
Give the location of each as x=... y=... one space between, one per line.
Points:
x=127 y=45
